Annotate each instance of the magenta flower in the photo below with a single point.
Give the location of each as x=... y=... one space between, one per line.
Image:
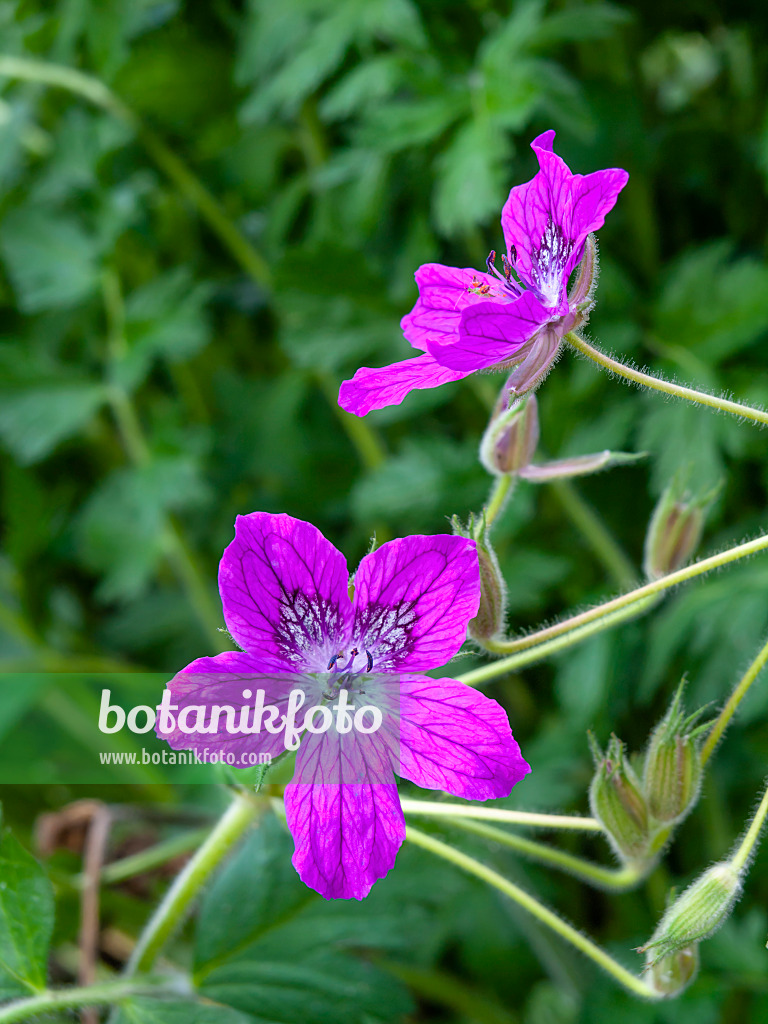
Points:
x=286 y=597
x=467 y=320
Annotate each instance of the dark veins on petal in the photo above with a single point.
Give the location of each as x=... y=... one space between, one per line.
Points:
x=387 y=630
x=307 y=626
x=548 y=262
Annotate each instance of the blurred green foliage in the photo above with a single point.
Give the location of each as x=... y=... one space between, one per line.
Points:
x=186 y=274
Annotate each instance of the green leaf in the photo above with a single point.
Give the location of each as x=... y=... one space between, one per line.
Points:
x=713 y=304
x=52 y=262
x=143 y=1010
x=34 y=419
x=471 y=176
x=269 y=946
x=122 y=530
x=164 y=318
x=26 y=919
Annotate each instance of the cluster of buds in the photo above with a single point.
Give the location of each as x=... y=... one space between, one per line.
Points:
x=638 y=811
x=675 y=528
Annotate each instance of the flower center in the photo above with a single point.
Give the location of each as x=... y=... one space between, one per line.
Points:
x=352 y=661
x=548 y=264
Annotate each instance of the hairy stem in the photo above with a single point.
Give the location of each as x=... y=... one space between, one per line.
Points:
x=453 y=811
x=104 y=994
x=550 y=647
x=154 y=857
x=235 y=821
x=729 y=709
x=497 y=499
x=747 y=846
x=746 y=412
x=614 y=879
x=651 y=589
x=547 y=917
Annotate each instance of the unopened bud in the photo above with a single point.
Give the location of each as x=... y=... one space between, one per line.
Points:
x=491 y=615
x=675 y=529
x=581 y=295
x=511 y=437
x=673 y=768
x=695 y=914
x=671 y=975
x=617 y=801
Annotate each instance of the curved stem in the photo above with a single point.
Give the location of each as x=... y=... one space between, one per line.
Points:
x=614 y=879
x=741 y=858
x=105 y=994
x=453 y=811
x=240 y=814
x=550 y=647
x=729 y=709
x=566 y=931
x=653 y=588
x=497 y=499
x=658 y=384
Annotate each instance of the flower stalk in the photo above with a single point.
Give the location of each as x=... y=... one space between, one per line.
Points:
x=233 y=824
x=637 y=986
x=647 y=380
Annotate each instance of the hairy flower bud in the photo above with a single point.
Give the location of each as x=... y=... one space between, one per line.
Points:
x=582 y=292
x=511 y=437
x=695 y=914
x=617 y=801
x=675 y=529
x=673 y=769
x=672 y=974
x=491 y=615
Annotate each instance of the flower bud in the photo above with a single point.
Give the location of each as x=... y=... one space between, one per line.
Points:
x=617 y=801
x=673 y=769
x=672 y=974
x=581 y=294
x=491 y=615
x=695 y=914
x=675 y=529
x=511 y=437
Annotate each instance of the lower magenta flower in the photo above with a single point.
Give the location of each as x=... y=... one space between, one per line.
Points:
x=335 y=669
x=467 y=320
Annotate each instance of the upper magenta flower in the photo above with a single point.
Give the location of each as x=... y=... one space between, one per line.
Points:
x=305 y=629
x=467 y=320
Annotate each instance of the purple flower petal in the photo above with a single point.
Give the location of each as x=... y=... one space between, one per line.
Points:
x=456 y=739
x=413 y=600
x=443 y=293
x=546 y=220
x=492 y=333
x=346 y=821
x=284 y=591
x=231 y=681
x=389 y=385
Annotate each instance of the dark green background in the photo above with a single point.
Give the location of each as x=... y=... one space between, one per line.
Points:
x=179 y=300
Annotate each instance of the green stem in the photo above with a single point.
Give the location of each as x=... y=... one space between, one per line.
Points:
x=147 y=860
x=550 y=647
x=595 y=533
x=566 y=931
x=104 y=994
x=741 y=858
x=653 y=588
x=497 y=499
x=729 y=709
x=240 y=814
x=614 y=879
x=667 y=387
x=453 y=811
